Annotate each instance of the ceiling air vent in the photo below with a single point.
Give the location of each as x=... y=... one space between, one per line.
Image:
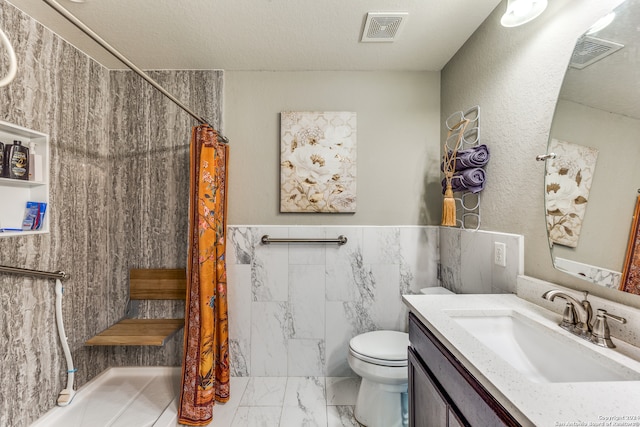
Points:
x=383 y=26
x=591 y=49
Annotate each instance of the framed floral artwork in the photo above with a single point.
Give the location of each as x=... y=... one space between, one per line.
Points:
x=318 y=162
x=567 y=186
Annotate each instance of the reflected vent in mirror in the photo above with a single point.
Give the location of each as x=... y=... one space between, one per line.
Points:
x=590 y=50
x=383 y=26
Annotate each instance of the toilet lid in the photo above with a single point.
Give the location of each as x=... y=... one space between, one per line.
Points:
x=381 y=347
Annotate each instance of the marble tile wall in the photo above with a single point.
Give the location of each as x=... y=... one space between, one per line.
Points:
x=119 y=181
x=467 y=261
x=294 y=307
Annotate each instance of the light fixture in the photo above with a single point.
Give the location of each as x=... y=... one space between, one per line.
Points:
x=602 y=23
x=522 y=11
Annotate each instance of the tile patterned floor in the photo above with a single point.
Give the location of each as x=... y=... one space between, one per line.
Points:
x=289 y=402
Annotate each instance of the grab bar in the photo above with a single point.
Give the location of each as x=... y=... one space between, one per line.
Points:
x=37 y=273
x=341 y=240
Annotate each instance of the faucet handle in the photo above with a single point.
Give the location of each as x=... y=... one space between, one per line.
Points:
x=568 y=317
x=600 y=334
x=612 y=316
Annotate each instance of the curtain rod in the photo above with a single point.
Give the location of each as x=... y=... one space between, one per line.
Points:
x=37 y=273
x=89 y=32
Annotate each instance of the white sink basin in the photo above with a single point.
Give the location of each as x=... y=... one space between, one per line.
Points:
x=541 y=354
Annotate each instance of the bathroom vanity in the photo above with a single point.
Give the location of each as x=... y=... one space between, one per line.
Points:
x=442 y=391
x=498 y=360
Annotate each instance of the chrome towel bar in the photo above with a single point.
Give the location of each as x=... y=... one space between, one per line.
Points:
x=341 y=240
x=37 y=273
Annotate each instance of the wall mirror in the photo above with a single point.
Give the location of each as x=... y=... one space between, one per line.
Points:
x=592 y=185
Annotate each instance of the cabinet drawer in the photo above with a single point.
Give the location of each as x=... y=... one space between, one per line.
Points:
x=469 y=397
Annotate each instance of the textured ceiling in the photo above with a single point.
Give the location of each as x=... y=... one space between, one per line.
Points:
x=613 y=83
x=279 y=35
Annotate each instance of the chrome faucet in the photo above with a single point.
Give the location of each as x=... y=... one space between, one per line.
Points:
x=577 y=314
x=577 y=319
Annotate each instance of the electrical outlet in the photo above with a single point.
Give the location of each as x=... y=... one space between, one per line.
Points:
x=500 y=254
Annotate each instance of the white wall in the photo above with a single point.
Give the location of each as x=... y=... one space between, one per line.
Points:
x=515 y=75
x=398 y=122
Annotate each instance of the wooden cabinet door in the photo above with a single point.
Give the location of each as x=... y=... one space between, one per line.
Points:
x=427 y=407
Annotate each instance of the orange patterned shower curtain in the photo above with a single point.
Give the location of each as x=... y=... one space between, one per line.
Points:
x=205 y=366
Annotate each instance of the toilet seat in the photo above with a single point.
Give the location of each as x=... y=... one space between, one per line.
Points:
x=384 y=348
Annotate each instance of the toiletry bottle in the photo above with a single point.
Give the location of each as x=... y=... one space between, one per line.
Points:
x=35 y=163
x=5 y=160
x=18 y=161
x=1 y=160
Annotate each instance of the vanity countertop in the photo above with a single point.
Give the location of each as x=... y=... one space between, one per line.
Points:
x=533 y=403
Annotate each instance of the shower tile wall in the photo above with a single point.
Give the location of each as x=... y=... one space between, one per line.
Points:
x=149 y=190
x=62 y=92
x=118 y=190
x=294 y=307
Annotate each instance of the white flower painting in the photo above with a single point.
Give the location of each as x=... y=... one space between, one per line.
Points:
x=318 y=162
x=567 y=186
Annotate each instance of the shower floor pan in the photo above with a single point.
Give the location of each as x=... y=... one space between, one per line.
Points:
x=121 y=397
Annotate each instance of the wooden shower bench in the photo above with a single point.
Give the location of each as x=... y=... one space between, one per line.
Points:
x=147 y=284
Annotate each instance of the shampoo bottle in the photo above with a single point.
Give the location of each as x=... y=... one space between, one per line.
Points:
x=18 y=161
x=35 y=163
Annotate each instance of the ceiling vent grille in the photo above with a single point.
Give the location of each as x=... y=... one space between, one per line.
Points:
x=383 y=26
x=590 y=50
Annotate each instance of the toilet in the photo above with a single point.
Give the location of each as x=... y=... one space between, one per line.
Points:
x=380 y=358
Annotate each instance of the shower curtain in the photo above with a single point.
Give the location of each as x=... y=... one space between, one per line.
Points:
x=205 y=366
